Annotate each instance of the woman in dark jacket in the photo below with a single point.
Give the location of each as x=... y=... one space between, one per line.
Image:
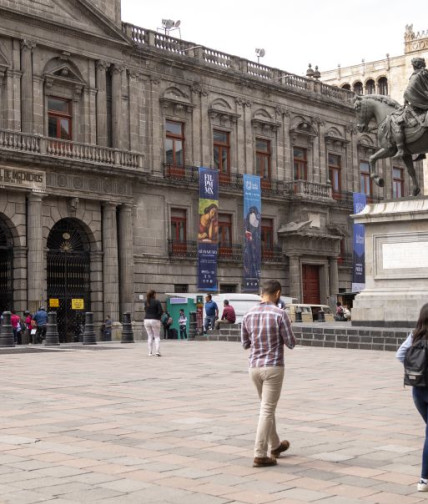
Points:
x=152 y=322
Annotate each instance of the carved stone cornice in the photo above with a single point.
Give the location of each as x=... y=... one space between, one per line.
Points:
x=177 y=105
x=223 y=115
x=265 y=125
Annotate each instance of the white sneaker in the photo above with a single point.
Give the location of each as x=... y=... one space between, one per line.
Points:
x=158 y=354
x=422 y=486
x=150 y=354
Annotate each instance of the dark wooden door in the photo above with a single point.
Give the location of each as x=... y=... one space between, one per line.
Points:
x=311 y=284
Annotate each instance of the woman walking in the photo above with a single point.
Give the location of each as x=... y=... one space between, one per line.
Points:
x=152 y=322
x=420 y=394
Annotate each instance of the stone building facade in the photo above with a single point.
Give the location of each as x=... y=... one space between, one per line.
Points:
x=102 y=128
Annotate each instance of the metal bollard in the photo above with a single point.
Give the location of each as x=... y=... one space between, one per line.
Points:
x=6 y=335
x=321 y=316
x=127 y=332
x=52 y=336
x=89 y=337
x=299 y=315
x=192 y=325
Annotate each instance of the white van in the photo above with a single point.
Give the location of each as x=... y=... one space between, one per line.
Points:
x=241 y=303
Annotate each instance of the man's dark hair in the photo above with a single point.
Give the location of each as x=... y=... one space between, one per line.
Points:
x=270 y=287
x=209 y=296
x=226 y=302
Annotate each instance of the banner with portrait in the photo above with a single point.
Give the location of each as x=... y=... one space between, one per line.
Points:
x=207 y=229
x=358 y=249
x=252 y=250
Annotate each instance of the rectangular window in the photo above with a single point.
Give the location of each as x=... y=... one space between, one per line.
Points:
x=365 y=180
x=334 y=169
x=174 y=148
x=263 y=162
x=267 y=238
x=181 y=288
x=397 y=182
x=300 y=163
x=178 y=230
x=221 y=140
x=59 y=118
x=225 y=234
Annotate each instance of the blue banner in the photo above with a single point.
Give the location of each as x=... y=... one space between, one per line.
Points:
x=208 y=229
x=252 y=234
x=358 y=252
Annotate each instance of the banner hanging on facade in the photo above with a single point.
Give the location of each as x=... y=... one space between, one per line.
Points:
x=358 y=252
x=208 y=229
x=252 y=233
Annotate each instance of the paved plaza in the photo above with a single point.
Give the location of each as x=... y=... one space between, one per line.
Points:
x=109 y=424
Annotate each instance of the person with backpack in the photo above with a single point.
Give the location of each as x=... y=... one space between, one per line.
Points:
x=152 y=322
x=413 y=353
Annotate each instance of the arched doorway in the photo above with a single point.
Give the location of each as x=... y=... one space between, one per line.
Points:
x=69 y=277
x=6 y=268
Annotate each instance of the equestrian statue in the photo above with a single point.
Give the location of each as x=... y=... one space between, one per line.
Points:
x=402 y=130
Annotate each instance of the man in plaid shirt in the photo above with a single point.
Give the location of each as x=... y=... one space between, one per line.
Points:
x=265 y=330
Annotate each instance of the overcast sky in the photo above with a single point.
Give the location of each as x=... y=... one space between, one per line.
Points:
x=292 y=32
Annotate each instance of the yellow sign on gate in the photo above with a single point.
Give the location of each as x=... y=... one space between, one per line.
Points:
x=77 y=304
x=53 y=303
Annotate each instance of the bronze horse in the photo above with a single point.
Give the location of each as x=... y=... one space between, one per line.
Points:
x=380 y=108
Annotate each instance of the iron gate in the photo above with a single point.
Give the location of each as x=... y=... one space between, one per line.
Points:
x=6 y=269
x=69 y=277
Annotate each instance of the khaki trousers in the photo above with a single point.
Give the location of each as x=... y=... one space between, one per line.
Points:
x=268 y=382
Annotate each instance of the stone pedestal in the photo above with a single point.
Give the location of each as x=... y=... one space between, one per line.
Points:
x=396 y=263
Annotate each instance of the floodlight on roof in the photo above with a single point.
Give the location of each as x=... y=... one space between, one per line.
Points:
x=260 y=53
x=170 y=24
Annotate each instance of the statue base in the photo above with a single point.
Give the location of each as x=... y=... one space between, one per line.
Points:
x=396 y=263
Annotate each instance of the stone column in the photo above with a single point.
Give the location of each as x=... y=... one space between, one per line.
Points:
x=126 y=259
x=35 y=257
x=134 y=113
x=333 y=278
x=110 y=263
x=249 y=142
x=295 y=277
x=27 y=47
x=116 y=106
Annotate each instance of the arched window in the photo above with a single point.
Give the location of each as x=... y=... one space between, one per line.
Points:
x=383 y=85
x=358 y=88
x=370 y=87
x=346 y=86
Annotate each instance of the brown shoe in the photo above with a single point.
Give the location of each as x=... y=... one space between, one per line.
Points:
x=284 y=446
x=264 y=462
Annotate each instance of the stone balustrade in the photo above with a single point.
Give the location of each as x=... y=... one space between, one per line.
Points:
x=306 y=188
x=45 y=146
x=149 y=38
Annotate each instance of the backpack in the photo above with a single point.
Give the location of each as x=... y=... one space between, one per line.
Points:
x=416 y=365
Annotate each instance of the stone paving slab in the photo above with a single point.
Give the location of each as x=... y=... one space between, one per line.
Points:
x=120 y=427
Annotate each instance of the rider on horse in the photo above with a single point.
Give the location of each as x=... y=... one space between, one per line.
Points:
x=414 y=111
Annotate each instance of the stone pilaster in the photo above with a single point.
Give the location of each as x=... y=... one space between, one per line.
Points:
x=157 y=122
x=116 y=106
x=35 y=258
x=295 y=277
x=101 y=103
x=27 y=85
x=110 y=263
x=134 y=113
x=20 y=278
x=126 y=259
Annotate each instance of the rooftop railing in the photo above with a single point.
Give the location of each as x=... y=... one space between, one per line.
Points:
x=149 y=38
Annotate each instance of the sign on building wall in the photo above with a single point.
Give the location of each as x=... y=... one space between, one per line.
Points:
x=21 y=177
x=252 y=234
x=358 y=252
x=208 y=229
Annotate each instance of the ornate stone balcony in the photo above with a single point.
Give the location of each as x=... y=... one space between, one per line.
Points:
x=304 y=188
x=52 y=147
x=150 y=39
